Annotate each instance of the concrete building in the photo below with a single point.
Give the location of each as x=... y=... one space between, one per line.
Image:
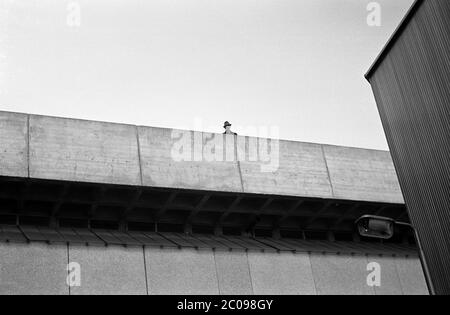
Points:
x=145 y=210
x=410 y=83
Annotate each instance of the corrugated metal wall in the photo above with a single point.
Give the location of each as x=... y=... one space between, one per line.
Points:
x=412 y=90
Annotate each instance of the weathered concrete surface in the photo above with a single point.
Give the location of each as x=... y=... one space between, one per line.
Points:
x=89 y=151
x=13 y=144
x=390 y=281
x=281 y=273
x=181 y=271
x=109 y=270
x=411 y=276
x=298 y=170
x=36 y=269
x=340 y=274
x=174 y=158
x=359 y=174
x=86 y=151
x=233 y=273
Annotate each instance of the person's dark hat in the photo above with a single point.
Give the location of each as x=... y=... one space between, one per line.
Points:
x=225 y=124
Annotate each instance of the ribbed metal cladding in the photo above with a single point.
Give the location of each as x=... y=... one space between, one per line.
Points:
x=411 y=84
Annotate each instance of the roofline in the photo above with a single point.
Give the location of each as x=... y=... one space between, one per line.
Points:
x=398 y=31
x=202 y=131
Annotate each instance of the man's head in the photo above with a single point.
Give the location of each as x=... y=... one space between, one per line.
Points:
x=226 y=125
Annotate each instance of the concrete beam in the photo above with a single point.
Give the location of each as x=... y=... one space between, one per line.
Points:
x=13 y=144
x=360 y=174
x=174 y=158
x=297 y=169
x=89 y=151
x=85 y=151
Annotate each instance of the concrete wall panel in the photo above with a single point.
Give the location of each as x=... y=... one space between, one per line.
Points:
x=87 y=151
x=90 y=151
x=360 y=174
x=281 y=273
x=36 y=269
x=181 y=271
x=233 y=273
x=298 y=170
x=109 y=270
x=411 y=276
x=340 y=274
x=176 y=159
x=390 y=281
x=13 y=144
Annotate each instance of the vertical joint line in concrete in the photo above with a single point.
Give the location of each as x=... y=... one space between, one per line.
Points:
x=236 y=156
x=68 y=262
x=28 y=145
x=217 y=272
x=145 y=270
x=397 y=273
x=250 y=273
x=328 y=170
x=312 y=272
x=139 y=154
x=193 y=145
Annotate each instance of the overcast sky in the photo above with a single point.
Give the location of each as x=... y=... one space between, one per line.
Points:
x=294 y=64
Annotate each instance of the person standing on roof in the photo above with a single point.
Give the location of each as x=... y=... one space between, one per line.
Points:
x=227 y=127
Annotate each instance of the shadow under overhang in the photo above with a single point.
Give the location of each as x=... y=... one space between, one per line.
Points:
x=64 y=204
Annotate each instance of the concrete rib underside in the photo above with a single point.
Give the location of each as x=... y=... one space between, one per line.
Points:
x=97 y=173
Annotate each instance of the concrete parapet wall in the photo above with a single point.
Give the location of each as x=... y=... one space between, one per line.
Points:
x=300 y=171
x=174 y=158
x=87 y=151
x=13 y=144
x=361 y=174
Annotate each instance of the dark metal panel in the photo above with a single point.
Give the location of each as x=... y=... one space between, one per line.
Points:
x=11 y=234
x=107 y=237
x=126 y=239
x=151 y=239
x=32 y=233
x=84 y=236
x=278 y=244
x=88 y=237
x=306 y=246
x=184 y=240
x=42 y=234
x=227 y=243
x=51 y=235
x=175 y=238
x=158 y=239
x=212 y=242
x=249 y=243
x=141 y=238
x=71 y=236
x=412 y=91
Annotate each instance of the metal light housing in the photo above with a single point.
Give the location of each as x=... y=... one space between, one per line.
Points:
x=375 y=226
